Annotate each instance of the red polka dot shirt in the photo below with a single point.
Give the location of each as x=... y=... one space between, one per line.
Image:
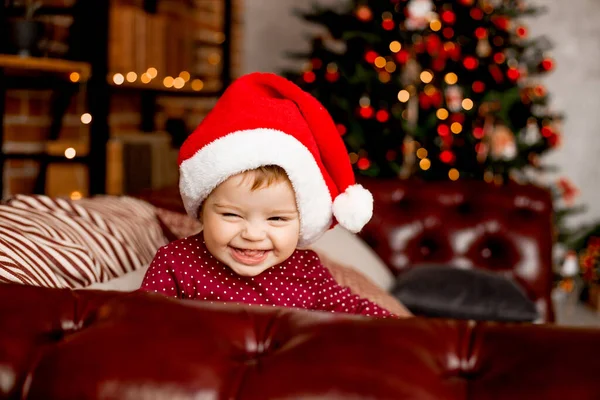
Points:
x=185 y=269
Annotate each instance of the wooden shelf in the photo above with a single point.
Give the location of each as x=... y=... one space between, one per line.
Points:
x=19 y=11
x=44 y=157
x=210 y=88
x=18 y=66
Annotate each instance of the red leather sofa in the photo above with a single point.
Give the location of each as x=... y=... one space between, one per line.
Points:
x=62 y=344
x=472 y=224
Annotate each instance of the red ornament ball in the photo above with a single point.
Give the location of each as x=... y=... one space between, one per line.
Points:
x=443 y=130
x=402 y=56
x=481 y=33
x=539 y=91
x=476 y=13
x=448 y=33
x=363 y=163
x=332 y=76
x=547 y=132
x=447 y=156
x=387 y=24
x=382 y=115
x=478 y=132
x=448 y=17
x=513 y=74
x=370 y=56
x=309 y=77
x=366 y=112
x=478 y=87
x=470 y=62
x=499 y=58
x=501 y=22
x=364 y=13
x=547 y=64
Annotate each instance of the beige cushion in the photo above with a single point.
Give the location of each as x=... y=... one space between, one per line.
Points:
x=348 y=249
x=363 y=287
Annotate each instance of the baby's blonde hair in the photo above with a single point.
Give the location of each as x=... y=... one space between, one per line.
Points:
x=266 y=175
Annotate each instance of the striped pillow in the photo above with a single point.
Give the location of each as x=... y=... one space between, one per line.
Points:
x=178 y=225
x=62 y=243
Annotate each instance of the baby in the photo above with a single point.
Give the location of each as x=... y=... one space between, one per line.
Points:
x=266 y=174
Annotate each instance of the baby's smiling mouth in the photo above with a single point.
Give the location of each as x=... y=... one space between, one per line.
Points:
x=249 y=256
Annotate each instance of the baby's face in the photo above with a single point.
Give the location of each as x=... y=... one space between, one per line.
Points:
x=251 y=231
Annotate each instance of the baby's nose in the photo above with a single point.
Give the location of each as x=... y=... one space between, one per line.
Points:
x=253 y=232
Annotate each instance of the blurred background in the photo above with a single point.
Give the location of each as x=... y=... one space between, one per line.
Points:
x=97 y=96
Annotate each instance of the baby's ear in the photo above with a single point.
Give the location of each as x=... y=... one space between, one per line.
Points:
x=201 y=212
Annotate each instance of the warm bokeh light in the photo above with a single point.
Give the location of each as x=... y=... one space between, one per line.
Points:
x=76 y=195
x=380 y=62
x=384 y=76
x=185 y=76
x=390 y=66
x=456 y=128
x=145 y=78
x=467 y=104
x=70 y=153
x=426 y=76
x=178 y=83
x=131 y=76
x=86 y=118
x=442 y=113
x=118 y=79
x=435 y=25
x=430 y=90
x=214 y=59
x=453 y=174
x=425 y=164
x=197 y=85
x=451 y=78
x=152 y=72
x=74 y=77
x=168 y=81
x=395 y=46
x=403 y=95
x=422 y=152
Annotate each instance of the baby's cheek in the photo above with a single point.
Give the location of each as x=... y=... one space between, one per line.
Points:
x=217 y=232
x=288 y=241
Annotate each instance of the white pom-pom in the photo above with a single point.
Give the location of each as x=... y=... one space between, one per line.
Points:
x=353 y=208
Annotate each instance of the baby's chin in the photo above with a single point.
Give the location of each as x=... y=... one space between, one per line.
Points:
x=248 y=271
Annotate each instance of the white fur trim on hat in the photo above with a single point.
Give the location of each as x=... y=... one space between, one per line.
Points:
x=353 y=208
x=249 y=149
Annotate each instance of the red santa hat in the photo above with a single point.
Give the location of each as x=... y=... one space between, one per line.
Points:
x=264 y=119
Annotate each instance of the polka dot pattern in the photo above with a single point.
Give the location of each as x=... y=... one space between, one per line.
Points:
x=185 y=269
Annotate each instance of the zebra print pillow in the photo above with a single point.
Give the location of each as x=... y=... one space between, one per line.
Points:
x=62 y=243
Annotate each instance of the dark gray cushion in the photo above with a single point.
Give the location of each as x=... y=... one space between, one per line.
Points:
x=446 y=292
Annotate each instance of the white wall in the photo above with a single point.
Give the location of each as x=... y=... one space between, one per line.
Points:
x=572 y=25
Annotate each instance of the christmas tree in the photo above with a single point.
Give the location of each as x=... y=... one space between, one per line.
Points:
x=433 y=89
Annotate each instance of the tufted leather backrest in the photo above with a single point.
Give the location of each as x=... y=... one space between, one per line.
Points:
x=61 y=344
x=469 y=224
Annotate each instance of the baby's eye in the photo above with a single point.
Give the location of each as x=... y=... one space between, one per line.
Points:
x=230 y=215
x=278 y=219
